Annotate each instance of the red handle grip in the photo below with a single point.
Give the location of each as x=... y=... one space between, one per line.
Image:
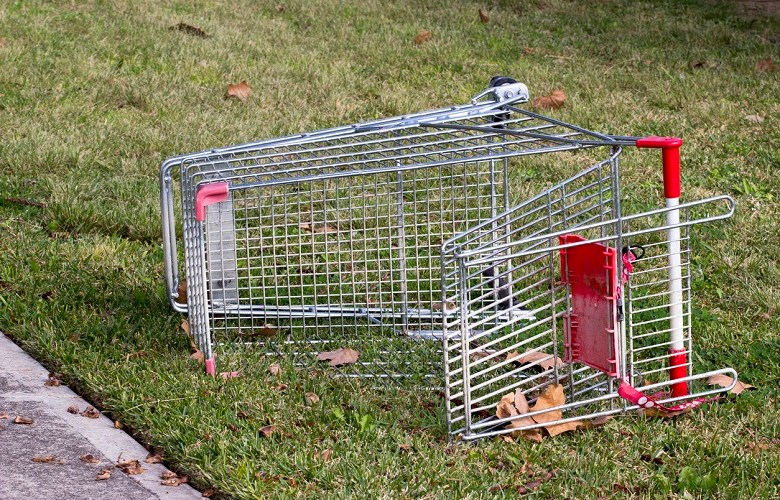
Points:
x=670 y=151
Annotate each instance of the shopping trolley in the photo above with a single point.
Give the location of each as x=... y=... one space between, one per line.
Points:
x=405 y=240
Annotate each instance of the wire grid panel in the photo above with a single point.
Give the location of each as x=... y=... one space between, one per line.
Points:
x=345 y=262
x=482 y=346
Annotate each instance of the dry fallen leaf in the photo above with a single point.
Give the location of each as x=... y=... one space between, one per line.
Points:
x=153 y=458
x=280 y=8
x=209 y=493
x=551 y=397
x=405 y=447
x=281 y=387
x=181 y=298
x=339 y=357
x=74 y=409
x=118 y=425
x=546 y=361
x=325 y=455
x=168 y=474
x=311 y=398
x=185 y=327
x=54 y=380
x=556 y=429
x=268 y=430
x=103 y=475
x=89 y=458
x=49 y=459
x=555 y=100
x=422 y=37
x=275 y=369
x=318 y=228
x=23 y=420
x=90 y=412
x=757 y=119
x=173 y=479
x=189 y=29
x=483 y=15
x=267 y=330
x=130 y=467
x=765 y=65
x=240 y=91
x=198 y=356
x=725 y=381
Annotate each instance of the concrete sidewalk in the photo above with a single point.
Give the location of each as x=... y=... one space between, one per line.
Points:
x=66 y=436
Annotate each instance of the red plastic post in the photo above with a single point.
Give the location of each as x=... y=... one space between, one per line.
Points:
x=208 y=194
x=670 y=151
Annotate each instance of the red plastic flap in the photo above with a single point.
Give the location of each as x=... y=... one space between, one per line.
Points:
x=590 y=272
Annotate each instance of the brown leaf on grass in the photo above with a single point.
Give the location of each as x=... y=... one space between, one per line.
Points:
x=168 y=474
x=90 y=412
x=316 y=228
x=405 y=447
x=483 y=15
x=268 y=430
x=89 y=458
x=280 y=8
x=725 y=381
x=181 y=298
x=422 y=37
x=74 y=409
x=23 y=420
x=189 y=29
x=555 y=100
x=551 y=397
x=765 y=65
x=546 y=361
x=325 y=455
x=311 y=398
x=281 y=387
x=130 y=467
x=185 y=327
x=240 y=91
x=198 y=357
x=757 y=119
x=663 y=413
x=103 y=475
x=267 y=330
x=49 y=459
x=515 y=404
x=275 y=369
x=533 y=485
x=118 y=425
x=556 y=429
x=209 y=493
x=339 y=357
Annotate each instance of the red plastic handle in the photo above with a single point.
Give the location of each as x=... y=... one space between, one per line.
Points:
x=670 y=151
x=208 y=194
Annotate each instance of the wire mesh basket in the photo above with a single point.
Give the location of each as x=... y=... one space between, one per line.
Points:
x=406 y=240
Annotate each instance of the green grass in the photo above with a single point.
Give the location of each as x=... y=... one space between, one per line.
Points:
x=94 y=95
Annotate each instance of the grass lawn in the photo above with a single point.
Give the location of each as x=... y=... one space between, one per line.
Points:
x=95 y=95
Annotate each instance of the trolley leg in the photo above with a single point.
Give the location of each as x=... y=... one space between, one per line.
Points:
x=678 y=362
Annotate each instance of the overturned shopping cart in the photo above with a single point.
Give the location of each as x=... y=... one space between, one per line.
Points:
x=407 y=240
